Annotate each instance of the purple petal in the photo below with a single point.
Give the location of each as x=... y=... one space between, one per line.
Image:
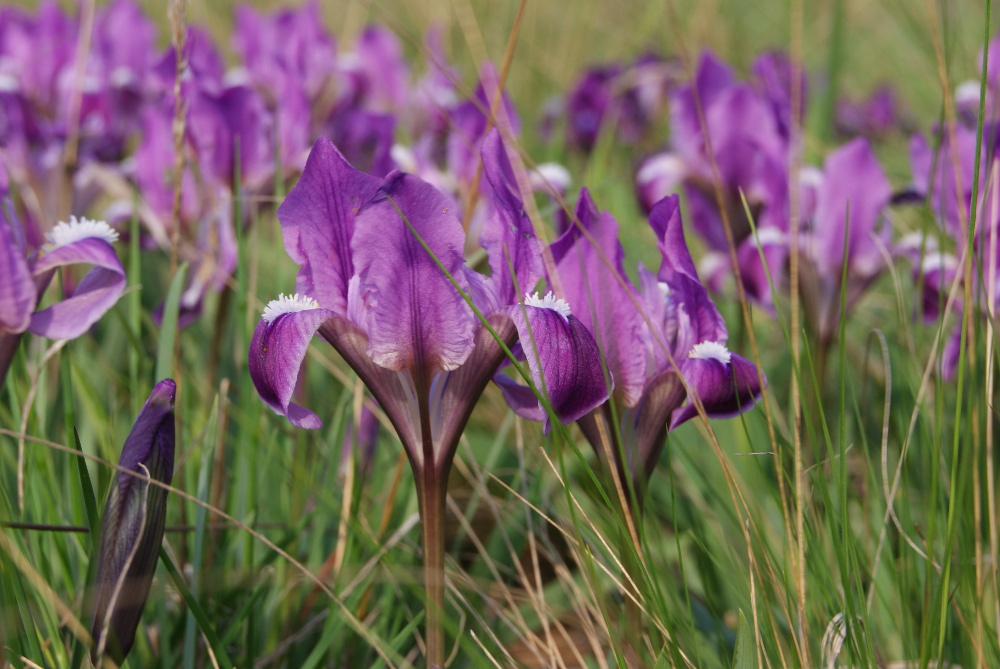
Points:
x=657 y=177
x=385 y=71
x=365 y=137
x=562 y=353
x=520 y=398
x=317 y=221
x=665 y=219
x=96 y=293
x=854 y=192
x=18 y=293
x=726 y=387
x=277 y=349
x=508 y=236
x=414 y=317
x=600 y=294
x=698 y=319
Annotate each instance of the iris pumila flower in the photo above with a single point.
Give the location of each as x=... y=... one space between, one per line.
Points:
x=132 y=526
x=383 y=281
x=945 y=181
x=746 y=138
x=23 y=281
x=628 y=98
x=848 y=198
x=663 y=342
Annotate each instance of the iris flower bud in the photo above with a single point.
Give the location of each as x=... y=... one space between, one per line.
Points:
x=132 y=526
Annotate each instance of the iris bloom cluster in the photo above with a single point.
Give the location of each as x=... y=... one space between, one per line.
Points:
x=382 y=280
x=663 y=342
x=944 y=178
x=733 y=144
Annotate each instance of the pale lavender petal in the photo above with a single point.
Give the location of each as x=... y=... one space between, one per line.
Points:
x=591 y=271
x=317 y=221
x=415 y=318
x=508 y=236
x=727 y=386
x=854 y=192
x=657 y=177
x=277 y=349
x=18 y=293
x=386 y=74
x=96 y=293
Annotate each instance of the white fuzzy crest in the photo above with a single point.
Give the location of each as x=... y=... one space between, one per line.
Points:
x=288 y=304
x=80 y=228
x=711 y=350
x=550 y=301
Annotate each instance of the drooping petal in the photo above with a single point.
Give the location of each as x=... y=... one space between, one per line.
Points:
x=562 y=355
x=277 y=348
x=17 y=290
x=317 y=222
x=96 y=293
x=591 y=270
x=507 y=236
x=132 y=526
x=414 y=316
x=726 y=384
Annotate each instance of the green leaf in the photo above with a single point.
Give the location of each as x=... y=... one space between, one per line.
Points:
x=204 y=624
x=87 y=488
x=168 y=329
x=745 y=655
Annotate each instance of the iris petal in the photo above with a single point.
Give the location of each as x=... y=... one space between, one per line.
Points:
x=96 y=293
x=414 y=317
x=725 y=389
x=561 y=352
x=277 y=349
x=317 y=221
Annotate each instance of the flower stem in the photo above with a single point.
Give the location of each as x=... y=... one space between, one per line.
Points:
x=432 y=491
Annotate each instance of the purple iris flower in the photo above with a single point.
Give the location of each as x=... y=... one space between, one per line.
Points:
x=23 y=280
x=945 y=180
x=626 y=98
x=288 y=46
x=745 y=128
x=850 y=199
x=369 y=288
x=132 y=526
x=383 y=281
x=663 y=342
x=874 y=117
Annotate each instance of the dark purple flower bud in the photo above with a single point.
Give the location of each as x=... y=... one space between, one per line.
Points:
x=132 y=526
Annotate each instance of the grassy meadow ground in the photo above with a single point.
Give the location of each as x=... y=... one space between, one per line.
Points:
x=865 y=537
